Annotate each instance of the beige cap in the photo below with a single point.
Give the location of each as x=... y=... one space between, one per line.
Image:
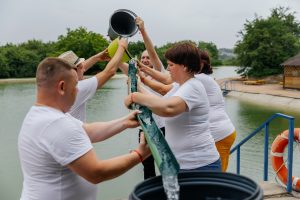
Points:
x=71 y=58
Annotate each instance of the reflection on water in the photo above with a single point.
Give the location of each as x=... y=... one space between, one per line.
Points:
x=107 y=104
x=247 y=117
x=224 y=72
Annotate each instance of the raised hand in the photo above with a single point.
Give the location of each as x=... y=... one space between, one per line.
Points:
x=123 y=42
x=140 y=23
x=103 y=56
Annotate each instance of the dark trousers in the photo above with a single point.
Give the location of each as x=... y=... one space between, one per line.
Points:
x=149 y=167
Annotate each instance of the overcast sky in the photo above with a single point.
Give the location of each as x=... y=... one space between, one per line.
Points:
x=216 y=21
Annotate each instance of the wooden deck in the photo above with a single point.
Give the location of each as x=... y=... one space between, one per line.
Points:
x=273 y=191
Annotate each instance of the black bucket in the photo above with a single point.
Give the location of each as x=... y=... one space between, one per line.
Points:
x=122 y=23
x=201 y=185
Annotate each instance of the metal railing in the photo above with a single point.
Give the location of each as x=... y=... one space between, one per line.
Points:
x=226 y=87
x=266 y=149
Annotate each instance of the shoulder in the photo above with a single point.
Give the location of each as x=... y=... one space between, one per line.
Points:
x=87 y=82
x=192 y=87
x=207 y=81
x=204 y=77
x=63 y=129
x=194 y=84
x=86 y=89
x=66 y=123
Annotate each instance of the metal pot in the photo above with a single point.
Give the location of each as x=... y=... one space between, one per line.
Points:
x=122 y=23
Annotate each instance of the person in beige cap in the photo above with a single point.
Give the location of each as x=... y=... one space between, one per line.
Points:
x=88 y=87
x=56 y=153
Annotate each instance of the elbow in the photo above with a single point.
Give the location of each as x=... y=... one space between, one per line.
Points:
x=163 y=91
x=94 y=178
x=168 y=112
x=167 y=81
x=111 y=73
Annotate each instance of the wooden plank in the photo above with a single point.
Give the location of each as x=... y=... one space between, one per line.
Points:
x=254 y=82
x=292 y=82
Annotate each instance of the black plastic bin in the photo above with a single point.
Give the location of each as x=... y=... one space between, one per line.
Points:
x=201 y=185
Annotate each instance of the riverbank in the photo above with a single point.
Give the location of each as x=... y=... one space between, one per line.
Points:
x=17 y=80
x=32 y=80
x=266 y=94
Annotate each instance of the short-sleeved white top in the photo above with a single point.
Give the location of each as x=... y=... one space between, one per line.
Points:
x=160 y=122
x=86 y=90
x=188 y=133
x=49 y=140
x=220 y=123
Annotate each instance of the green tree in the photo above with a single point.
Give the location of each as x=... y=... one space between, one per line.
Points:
x=136 y=48
x=212 y=51
x=21 y=62
x=84 y=43
x=4 y=68
x=162 y=50
x=40 y=48
x=266 y=43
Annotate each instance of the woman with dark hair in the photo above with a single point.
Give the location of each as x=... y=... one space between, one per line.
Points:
x=205 y=63
x=186 y=111
x=221 y=127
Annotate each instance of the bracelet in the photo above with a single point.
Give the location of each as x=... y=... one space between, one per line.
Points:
x=138 y=153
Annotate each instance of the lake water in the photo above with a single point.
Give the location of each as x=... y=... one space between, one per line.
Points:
x=107 y=104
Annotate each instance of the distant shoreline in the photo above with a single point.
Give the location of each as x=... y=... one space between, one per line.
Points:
x=266 y=94
x=17 y=80
x=32 y=80
x=272 y=95
x=289 y=103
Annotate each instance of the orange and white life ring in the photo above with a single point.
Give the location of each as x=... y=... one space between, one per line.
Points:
x=277 y=150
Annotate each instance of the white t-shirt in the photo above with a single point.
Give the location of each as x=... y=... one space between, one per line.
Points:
x=220 y=123
x=188 y=133
x=158 y=120
x=49 y=140
x=86 y=90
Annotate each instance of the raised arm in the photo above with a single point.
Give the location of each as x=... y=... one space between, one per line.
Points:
x=124 y=68
x=155 y=85
x=113 y=64
x=99 y=57
x=157 y=75
x=157 y=64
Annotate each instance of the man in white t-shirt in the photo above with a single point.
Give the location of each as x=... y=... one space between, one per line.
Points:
x=88 y=87
x=55 y=149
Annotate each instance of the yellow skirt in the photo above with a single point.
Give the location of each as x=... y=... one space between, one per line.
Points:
x=224 y=147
